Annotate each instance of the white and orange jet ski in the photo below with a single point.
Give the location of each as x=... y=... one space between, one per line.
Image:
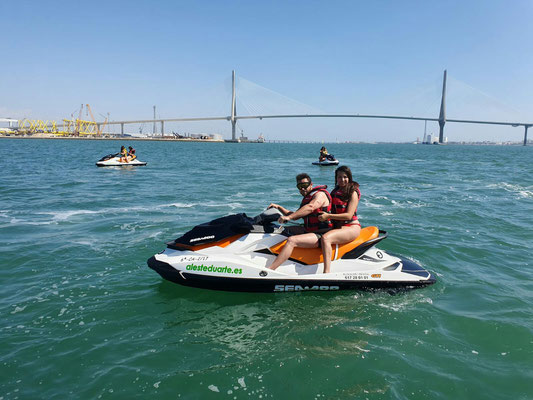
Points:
x=232 y=253
x=113 y=160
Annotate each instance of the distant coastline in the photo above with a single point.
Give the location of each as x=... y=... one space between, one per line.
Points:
x=209 y=140
x=122 y=138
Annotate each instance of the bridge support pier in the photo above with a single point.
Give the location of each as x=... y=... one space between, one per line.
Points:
x=233 y=107
x=442 y=116
x=122 y=129
x=525 y=134
x=162 y=128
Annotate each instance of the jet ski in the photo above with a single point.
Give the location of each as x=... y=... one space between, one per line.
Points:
x=232 y=253
x=113 y=160
x=330 y=160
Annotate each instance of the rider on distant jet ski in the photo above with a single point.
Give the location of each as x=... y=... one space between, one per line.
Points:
x=323 y=154
x=123 y=154
x=131 y=153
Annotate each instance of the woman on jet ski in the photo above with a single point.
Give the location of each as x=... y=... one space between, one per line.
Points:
x=123 y=154
x=345 y=198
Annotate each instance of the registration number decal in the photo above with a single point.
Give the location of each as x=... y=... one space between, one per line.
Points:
x=193 y=258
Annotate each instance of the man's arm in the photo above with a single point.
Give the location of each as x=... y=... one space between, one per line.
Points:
x=282 y=209
x=319 y=200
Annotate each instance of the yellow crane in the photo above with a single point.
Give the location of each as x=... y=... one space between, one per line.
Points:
x=78 y=122
x=98 y=129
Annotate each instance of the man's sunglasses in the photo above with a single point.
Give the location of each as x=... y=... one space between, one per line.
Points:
x=303 y=185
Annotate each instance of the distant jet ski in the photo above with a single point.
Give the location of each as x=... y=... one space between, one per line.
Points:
x=330 y=160
x=232 y=253
x=113 y=160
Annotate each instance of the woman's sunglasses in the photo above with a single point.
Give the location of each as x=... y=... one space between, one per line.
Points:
x=303 y=185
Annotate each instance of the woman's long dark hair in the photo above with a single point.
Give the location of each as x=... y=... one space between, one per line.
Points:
x=350 y=187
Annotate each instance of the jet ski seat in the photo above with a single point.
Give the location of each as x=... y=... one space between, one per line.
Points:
x=314 y=256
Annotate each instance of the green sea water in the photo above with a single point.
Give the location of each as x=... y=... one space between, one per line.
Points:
x=84 y=317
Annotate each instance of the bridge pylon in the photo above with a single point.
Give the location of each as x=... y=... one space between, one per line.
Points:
x=442 y=115
x=233 y=107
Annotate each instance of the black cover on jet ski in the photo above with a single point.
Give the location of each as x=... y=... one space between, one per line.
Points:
x=216 y=230
x=108 y=157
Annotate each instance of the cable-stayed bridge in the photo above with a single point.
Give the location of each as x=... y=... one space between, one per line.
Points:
x=255 y=113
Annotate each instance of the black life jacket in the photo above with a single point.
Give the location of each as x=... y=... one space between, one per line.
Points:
x=311 y=222
x=338 y=206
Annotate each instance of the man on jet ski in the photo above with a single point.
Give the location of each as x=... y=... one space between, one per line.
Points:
x=316 y=199
x=323 y=154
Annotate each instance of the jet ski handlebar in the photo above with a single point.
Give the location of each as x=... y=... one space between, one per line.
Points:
x=267 y=216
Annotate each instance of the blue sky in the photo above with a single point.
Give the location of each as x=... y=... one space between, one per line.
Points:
x=379 y=57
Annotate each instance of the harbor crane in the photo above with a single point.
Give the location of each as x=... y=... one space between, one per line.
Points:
x=78 y=122
x=98 y=129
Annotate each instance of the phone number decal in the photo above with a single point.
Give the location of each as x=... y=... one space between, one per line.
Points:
x=357 y=277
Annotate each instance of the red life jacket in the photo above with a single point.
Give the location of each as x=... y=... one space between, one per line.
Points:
x=311 y=222
x=339 y=207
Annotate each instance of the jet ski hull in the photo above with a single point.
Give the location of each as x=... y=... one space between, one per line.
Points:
x=279 y=284
x=115 y=162
x=326 y=162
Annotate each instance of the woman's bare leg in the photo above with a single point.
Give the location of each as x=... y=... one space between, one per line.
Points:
x=337 y=236
x=307 y=240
